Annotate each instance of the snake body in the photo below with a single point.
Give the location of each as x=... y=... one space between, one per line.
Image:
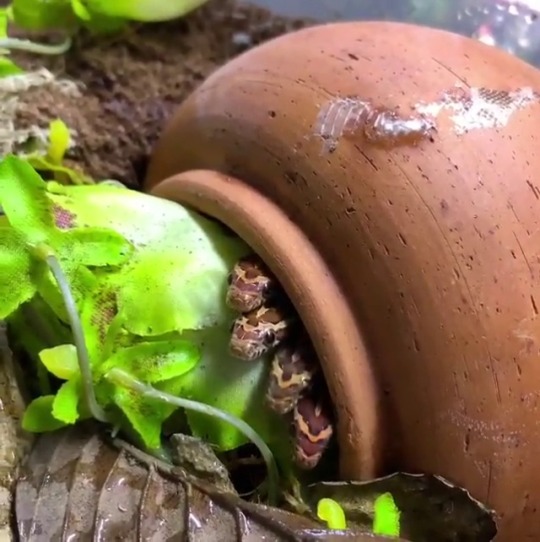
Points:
x=313 y=431
x=256 y=332
x=266 y=324
x=291 y=374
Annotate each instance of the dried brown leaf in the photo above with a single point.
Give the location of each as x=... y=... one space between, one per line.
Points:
x=77 y=485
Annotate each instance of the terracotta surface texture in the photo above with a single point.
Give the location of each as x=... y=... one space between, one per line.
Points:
x=406 y=161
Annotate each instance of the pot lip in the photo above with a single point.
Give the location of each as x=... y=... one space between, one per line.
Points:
x=316 y=296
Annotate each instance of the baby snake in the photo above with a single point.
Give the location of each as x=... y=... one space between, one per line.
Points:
x=268 y=322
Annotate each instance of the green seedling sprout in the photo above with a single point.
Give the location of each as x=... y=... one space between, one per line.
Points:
x=52 y=160
x=59 y=141
x=331 y=512
x=386 y=521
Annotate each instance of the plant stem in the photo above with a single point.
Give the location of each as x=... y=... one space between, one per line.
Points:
x=33 y=47
x=121 y=378
x=78 y=335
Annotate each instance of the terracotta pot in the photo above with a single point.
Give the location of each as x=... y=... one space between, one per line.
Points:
x=407 y=238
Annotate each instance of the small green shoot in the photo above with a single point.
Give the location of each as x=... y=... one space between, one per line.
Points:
x=52 y=160
x=386 y=521
x=331 y=512
x=59 y=141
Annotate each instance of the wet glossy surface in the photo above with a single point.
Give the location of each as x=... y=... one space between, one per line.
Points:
x=76 y=486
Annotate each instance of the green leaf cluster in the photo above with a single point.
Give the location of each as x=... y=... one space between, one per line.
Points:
x=102 y=16
x=148 y=277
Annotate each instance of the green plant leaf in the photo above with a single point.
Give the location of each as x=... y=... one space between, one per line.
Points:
x=172 y=285
x=80 y=10
x=153 y=362
x=59 y=141
x=43 y=14
x=231 y=385
x=193 y=254
x=82 y=282
x=150 y=362
x=62 y=174
x=145 y=415
x=99 y=310
x=24 y=201
x=4 y=21
x=331 y=512
x=61 y=361
x=66 y=401
x=8 y=67
x=143 y=10
x=93 y=247
x=38 y=416
x=16 y=266
x=386 y=520
x=166 y=310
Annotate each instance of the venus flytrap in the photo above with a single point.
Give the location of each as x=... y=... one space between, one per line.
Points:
x=34 y=221
x=153 y=362
x=141 y=283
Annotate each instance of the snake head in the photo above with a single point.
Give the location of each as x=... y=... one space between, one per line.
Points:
x=250 y=285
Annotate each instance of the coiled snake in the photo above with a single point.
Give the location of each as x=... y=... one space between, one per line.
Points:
x=268 y=322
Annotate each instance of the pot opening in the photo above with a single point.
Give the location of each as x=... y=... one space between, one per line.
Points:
x=289 y=302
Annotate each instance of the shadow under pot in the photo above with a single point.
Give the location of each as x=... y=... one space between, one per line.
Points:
x=387 y=175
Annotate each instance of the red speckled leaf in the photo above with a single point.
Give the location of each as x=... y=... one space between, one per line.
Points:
x=76 y=485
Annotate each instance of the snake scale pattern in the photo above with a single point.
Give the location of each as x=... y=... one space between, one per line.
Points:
x=268 y=323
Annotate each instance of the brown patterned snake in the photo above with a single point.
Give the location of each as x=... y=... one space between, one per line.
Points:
x=267 y=322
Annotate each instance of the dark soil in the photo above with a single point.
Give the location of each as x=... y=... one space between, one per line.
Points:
x=133 y=82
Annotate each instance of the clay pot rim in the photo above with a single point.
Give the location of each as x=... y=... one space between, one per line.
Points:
x=315 y=294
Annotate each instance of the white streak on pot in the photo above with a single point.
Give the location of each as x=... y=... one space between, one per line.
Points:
x=478 y=108
x=467 y=109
